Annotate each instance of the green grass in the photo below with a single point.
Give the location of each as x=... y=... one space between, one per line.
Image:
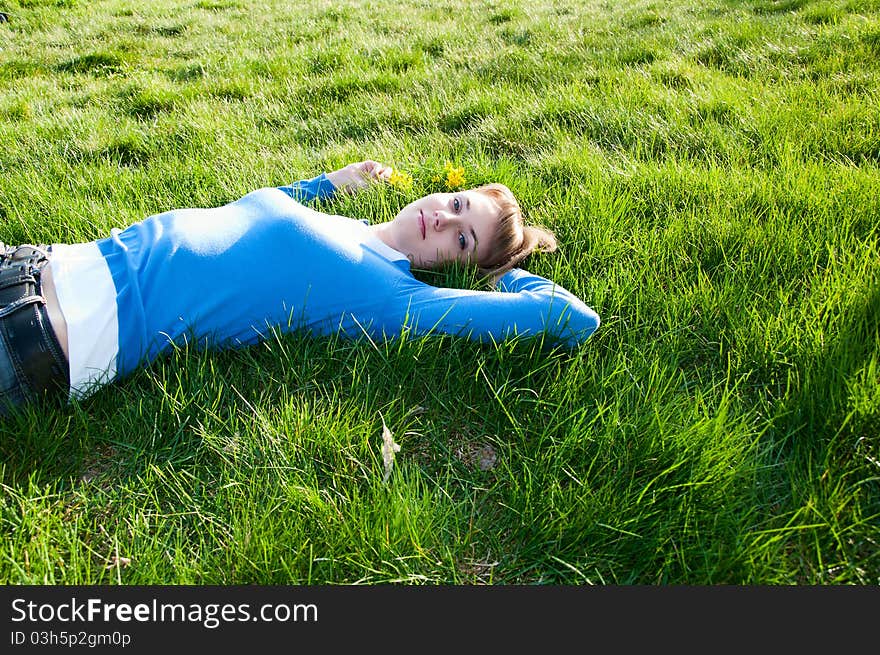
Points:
x=711 y=171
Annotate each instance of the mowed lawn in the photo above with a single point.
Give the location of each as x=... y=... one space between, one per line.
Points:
x=711 y=172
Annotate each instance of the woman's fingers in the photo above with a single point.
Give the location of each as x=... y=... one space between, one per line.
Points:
x=375 y=170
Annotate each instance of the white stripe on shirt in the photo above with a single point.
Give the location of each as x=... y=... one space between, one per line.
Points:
x=87 y=298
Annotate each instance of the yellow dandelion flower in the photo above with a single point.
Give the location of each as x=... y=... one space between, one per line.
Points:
x=454 y=176
x=400 y=179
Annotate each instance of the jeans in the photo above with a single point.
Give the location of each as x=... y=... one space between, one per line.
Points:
x=12 y=391
x=32 y=363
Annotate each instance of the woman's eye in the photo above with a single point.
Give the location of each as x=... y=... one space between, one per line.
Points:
x=462 y=242
x=456 y=204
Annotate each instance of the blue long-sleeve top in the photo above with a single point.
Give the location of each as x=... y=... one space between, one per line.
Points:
x=228 y=275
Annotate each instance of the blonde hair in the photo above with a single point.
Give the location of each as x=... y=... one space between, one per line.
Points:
x=513 y=241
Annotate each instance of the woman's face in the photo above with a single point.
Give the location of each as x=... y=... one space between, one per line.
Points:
x=445 y=227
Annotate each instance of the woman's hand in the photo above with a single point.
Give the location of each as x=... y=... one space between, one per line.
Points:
x=354 y=177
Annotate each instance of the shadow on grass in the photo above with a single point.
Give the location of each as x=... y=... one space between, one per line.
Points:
x=822 y=409
x=159 y=415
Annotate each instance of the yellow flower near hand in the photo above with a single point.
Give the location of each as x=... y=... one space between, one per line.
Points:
x=454 y=176
x=400 y=179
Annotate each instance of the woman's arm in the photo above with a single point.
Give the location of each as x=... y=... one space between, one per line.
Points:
x=354 y=177
x=525 y=305
x=349 y=179
x=316 y=188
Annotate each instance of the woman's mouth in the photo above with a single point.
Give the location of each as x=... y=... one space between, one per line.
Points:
x=422 y=223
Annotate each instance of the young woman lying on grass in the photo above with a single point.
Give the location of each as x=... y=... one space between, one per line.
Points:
x=76 y=316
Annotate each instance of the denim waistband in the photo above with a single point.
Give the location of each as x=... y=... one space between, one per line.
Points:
x=28 y=337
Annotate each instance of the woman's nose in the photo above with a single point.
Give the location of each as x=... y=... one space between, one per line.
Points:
x=441 y=218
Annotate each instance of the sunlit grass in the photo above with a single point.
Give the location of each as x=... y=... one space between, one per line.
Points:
x=711 y=171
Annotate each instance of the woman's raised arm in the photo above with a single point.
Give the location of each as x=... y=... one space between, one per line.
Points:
x=357 y=176
x=348 y=179
x=528 y=306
